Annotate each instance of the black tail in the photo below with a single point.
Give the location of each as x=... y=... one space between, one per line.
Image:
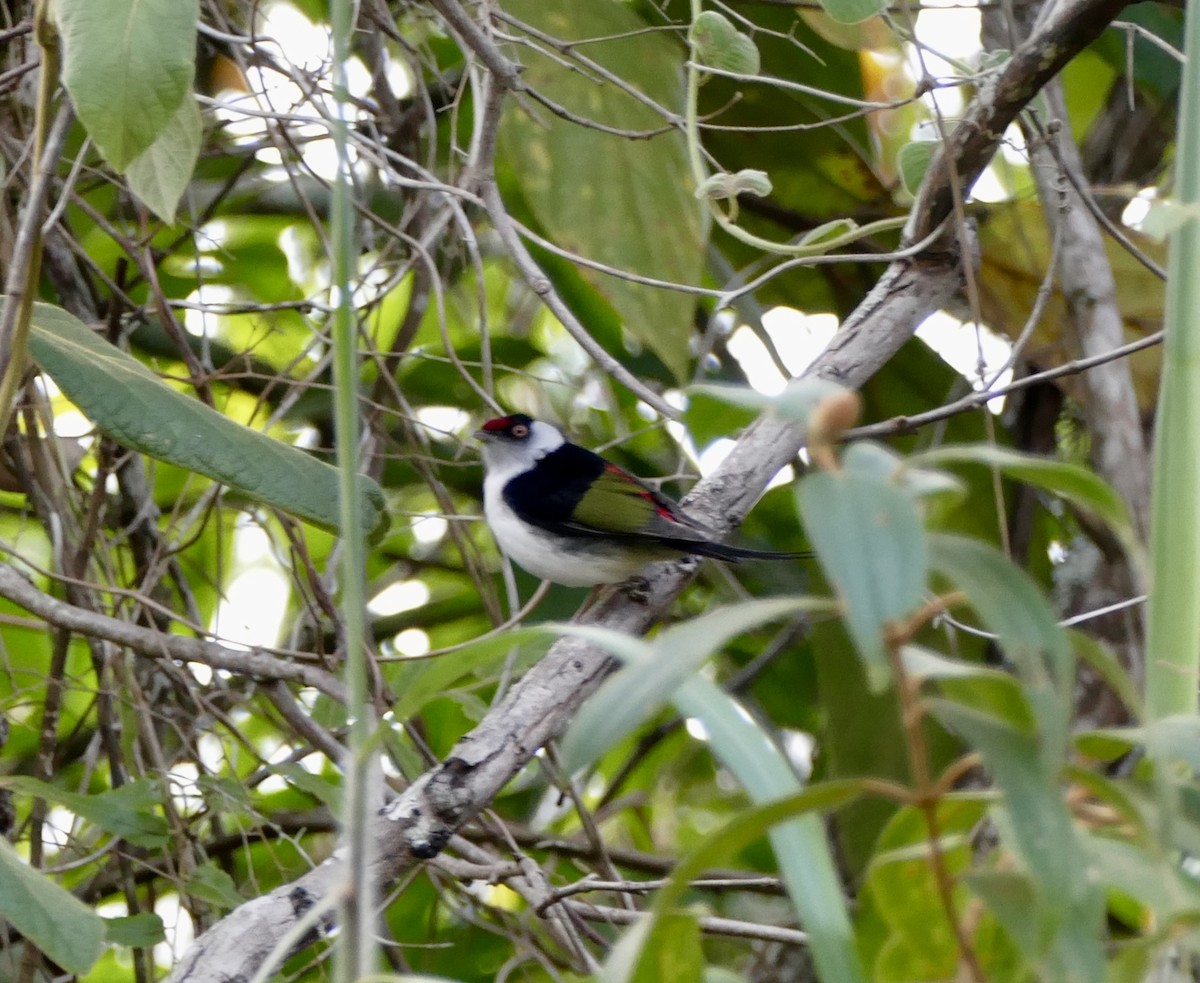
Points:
x=723 y=551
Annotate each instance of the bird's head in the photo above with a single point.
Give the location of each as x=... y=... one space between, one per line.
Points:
x=512 y=444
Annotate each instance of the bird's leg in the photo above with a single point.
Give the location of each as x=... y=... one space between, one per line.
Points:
x=589 y=601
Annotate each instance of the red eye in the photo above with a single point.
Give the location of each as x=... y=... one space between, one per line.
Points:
x=519 y=430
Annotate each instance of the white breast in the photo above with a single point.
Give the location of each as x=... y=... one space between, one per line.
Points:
x=564 y=560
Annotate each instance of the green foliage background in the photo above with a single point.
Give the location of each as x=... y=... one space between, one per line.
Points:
x=970 y=809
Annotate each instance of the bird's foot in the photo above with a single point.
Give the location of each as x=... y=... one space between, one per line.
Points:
x=637 y=589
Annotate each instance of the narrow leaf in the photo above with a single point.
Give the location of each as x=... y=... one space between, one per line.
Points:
x=631 y=696
x=1011 y=605
x=138 y=410
x=1079 y=486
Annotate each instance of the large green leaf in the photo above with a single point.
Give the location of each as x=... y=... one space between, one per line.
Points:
x=1069 y=908
x=138 y=410
x=126 y=811
x=868 y=537
x=1012 y=607
x=127 y=65
x=625 y=203
x=763 y=771
x=161 y=172
x=54 y=920
x=1077 y=485
x=657 y=669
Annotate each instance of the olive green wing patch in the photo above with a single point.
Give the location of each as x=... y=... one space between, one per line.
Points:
x=620 y=504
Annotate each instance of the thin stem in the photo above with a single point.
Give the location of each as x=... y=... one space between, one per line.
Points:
x=21 y=284
x=357 y=949
x=1173 y=617
x=927 y=798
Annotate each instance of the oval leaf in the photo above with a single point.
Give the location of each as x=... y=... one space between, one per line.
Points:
x=127 y=67
x=869 y=539
x=54 y=920
x=138 y=410
x=720 y=45
x=162 y=171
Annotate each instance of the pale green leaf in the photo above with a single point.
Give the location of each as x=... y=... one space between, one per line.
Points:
x=138 y=410
x=126 y=811
x=1166 y=216
x=627 y=204
x=1069 y=908
x=135 y=931
x=1079 y=486
x=828 y=231
x=160 y=173
x=747 y=181
x=54 y=920
x=655 y=671
x=762 y=770
x=127 y=66
x=912 y=161
x=1011 y=605
x=719 y=44
x=868 y=536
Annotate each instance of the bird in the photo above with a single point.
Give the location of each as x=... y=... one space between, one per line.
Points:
x=567 y=515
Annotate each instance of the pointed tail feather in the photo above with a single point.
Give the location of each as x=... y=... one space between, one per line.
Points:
x=724 y=551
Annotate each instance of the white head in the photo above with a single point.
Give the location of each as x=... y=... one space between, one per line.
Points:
x=513 y=444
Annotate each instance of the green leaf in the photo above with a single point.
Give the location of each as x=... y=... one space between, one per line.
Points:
x=160 y=173
x=1013 y=899
x=676 y=953
x=627 y=204
x=135 y=931
x=912 y=160
x=127 y=66
x=416 y=681
x=980 y=687
x=852 y=11
x=719 y=44
x=723 y=186
x=211 y=884
x=1079 y=486
x=54 y=920
x=868 y=536
x=126 y=811
x=655 y=671
x=1011 y=606
x=1070 y=909
x=799 y=844
x=828 y=231
x=904 y=887
x=1167 y=216
x=1099 y=658
x=138 y=410
x=1175 y=737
